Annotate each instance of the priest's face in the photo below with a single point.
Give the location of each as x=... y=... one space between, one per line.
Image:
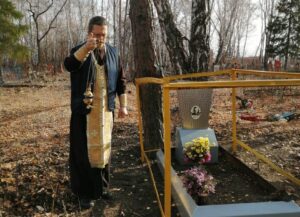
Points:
x=100 y=34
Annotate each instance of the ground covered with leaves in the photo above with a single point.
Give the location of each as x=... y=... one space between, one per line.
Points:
x=34 y=144
x=278 y=140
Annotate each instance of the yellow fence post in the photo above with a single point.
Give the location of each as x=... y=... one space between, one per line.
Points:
x=234 y=83
x=167 y=150
x=140 y=121
x=233 y=110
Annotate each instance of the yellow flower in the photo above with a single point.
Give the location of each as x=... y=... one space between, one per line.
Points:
x=197 y=148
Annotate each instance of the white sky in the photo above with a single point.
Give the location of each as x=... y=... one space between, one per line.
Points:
x=254 y=36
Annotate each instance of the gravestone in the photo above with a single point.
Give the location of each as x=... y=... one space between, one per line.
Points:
x=194 y=108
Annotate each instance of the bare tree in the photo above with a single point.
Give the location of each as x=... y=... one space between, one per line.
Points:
x=245 y=12
x=246 y=26
x=70 y=26
x=36 y=14
x=224 y=22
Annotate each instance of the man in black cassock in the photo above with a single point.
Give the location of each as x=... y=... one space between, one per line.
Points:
x=90 y=182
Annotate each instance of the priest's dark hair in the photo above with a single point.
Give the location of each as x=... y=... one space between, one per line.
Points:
x=97 y=20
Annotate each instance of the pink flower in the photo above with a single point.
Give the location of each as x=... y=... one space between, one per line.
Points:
x=206 y=158
x=198 y=182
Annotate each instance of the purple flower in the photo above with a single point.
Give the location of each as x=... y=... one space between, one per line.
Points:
x=198 y=182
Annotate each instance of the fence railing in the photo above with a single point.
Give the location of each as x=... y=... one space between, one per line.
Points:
x=277 y=79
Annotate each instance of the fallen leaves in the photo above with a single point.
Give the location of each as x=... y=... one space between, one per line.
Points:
x=34 y=127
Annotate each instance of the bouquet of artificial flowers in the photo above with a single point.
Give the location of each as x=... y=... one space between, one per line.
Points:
x=198 y=183
x=197 y=150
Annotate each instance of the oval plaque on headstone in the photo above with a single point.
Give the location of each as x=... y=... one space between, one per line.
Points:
x=195 y=112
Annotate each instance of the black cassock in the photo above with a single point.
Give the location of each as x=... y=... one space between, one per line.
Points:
x=87 y=182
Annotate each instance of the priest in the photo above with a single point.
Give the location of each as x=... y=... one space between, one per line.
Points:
x=96 y=78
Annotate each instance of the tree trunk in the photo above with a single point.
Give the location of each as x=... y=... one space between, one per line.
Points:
x=93 y=8
x=288 y=43
x=38 y=46
x=267 y=35
x=39 y=52
x=81 y=29
x=199 y=42
x=226 y=28
x=120 y=45
x=70 y=37
x=1 y=77
x=144 y=56
x=114 y=22
x=246 y=39
x=220 y=50
x=125 y=39
x=267 y=54
x=172 y=37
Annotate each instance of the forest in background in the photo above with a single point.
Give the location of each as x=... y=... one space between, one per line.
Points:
x=54 y=27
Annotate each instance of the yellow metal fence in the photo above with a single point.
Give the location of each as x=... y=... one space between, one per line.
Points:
x=282 y=79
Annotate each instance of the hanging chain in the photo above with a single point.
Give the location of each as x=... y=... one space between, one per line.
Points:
x=88 y=94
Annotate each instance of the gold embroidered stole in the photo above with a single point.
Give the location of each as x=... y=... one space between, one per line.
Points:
x=99 y=123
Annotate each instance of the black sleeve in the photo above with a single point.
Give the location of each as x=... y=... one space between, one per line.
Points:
x=121 y=83
x=71 y=63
